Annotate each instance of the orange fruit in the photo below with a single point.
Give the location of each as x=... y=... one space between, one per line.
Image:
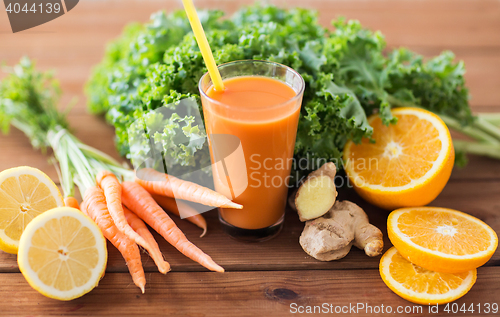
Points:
x=408 y=165
x=421 y=286
x=441 y=239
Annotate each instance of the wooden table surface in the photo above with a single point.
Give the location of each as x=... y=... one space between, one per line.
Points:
x=262 y=279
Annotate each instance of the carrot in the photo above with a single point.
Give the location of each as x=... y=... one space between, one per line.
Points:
x=140 y=227
x=139 y=201
x=174 y=206
x=108 y=182
x=94 y=206
x=170 y=186
x=71 y=202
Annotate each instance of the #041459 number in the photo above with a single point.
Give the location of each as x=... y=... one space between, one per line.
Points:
x=486 y=308
x=46 y=7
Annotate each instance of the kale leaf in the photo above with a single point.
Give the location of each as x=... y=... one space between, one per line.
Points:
x=348 y=76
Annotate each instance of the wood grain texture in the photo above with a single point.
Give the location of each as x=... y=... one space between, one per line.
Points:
x=478 y=198
x=75 y=42
x=263 y=279
x=15 y=149
x=233 y=294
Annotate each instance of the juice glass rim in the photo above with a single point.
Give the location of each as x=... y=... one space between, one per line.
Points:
x=298 y=94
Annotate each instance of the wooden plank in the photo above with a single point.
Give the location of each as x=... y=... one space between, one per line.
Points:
x=482 y=76
x=477 y=168
x=429 y=23
x=16 y=150
x=479 y=199
x=75 y=42
x=235 y=294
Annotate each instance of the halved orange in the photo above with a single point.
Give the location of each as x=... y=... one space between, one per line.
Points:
x=421 y=286
x=408 y=165
x=441 y=239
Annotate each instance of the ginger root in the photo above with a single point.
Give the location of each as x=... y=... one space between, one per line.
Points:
x=331 y=236
x=317 y=194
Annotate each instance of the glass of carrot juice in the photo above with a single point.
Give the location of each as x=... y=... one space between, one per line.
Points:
x=251 y=128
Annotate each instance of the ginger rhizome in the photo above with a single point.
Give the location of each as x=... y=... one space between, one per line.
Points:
x=317 y=194
x=330 y=237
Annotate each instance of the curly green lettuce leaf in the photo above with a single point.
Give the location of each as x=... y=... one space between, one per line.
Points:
x=347 y=73
x=332 y=117
x=437 y=85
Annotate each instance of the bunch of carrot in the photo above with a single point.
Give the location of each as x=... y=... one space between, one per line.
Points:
x=120 y=210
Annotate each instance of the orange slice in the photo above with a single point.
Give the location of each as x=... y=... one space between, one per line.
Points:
x=408 y=165
x=441 y=239
x=25 y=192
x=421 y=286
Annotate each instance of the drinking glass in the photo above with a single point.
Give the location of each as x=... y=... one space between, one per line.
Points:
x=251 y=146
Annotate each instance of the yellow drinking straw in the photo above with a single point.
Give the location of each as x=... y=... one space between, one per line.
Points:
x=206 y=52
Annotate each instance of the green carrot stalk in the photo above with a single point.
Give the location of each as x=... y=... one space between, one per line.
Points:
x=28 y=100
x=472 y=131
x=477 y=148
x=492 y=118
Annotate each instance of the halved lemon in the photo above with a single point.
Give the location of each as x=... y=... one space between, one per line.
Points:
x=62 y=253
x=408 y=165
x=421 y=286
x=25 y=192
x=441 y=239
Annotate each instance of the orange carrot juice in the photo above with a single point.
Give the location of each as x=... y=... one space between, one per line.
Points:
x=263 y=112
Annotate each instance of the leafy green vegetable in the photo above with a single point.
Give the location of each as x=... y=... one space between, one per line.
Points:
x=28 y=101
x=348 y=76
